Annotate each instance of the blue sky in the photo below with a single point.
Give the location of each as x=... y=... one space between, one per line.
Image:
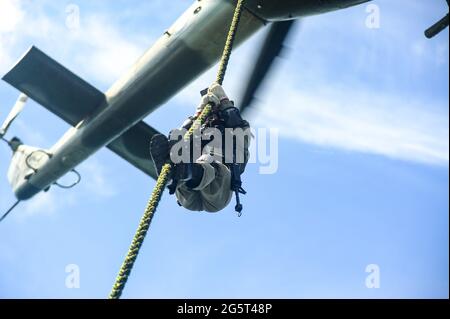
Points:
x=362 y=172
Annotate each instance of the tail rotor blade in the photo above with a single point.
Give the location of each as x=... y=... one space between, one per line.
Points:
x=15 y=111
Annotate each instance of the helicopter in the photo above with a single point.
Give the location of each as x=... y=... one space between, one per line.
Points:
x=114 y=119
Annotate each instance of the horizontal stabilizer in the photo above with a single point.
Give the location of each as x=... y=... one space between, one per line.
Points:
x=134 y=147
x=54 y=87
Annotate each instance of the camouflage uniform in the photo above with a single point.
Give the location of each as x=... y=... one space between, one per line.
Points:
x=212 y=191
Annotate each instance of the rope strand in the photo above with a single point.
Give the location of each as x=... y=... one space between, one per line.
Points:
x=164 y=177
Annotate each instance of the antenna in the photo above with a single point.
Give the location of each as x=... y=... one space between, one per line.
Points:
x=9 y=210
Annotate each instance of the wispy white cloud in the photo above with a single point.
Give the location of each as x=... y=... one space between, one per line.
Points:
x=359 y=121
x=102 y=50
x=95 y=179
x=43 y=204
x=98 y=48
x=10 y=15
x=94 y=185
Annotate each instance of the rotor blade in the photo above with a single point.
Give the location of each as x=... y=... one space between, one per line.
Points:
x=437 y=27
x=271 y=48
x=15 y=111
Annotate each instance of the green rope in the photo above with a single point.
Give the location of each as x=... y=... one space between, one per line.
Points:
x=164 y=177
x=230 y=41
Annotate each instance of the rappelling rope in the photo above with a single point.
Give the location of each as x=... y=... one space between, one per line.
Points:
x=164 y=176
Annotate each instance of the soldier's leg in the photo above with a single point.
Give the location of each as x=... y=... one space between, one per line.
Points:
x=215 y=186
x=188 y=198
x=217 y=194
x=209 y=191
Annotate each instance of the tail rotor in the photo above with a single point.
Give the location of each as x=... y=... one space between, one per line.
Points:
x=12 y=116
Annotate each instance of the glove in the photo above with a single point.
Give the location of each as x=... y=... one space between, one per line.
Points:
x=215 y=96
x=218 y=91
x=207 y=99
